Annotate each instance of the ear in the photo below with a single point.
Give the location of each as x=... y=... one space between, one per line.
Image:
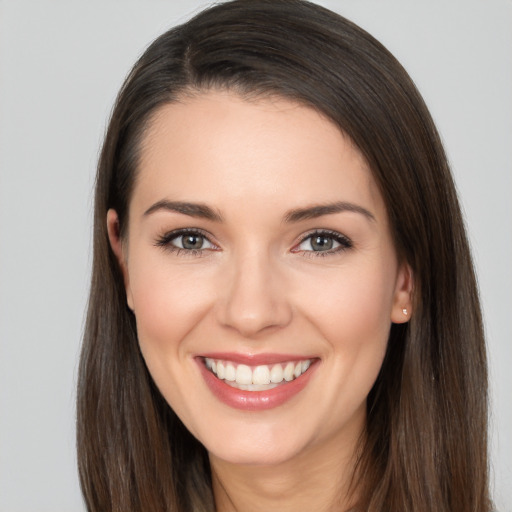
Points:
x=402 y=301
x=114 y=236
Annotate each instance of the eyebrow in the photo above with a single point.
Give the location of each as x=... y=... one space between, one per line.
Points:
x=192 y=209
x=203 y=211
x=312 y=212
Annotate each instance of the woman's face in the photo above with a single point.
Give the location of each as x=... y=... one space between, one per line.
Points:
x=261 y=271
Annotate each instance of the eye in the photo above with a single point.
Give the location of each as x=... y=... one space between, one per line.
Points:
x=188 y=240
x=191 y=241
x=326 y=242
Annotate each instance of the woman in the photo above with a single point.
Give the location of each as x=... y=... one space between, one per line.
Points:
x=283 y=310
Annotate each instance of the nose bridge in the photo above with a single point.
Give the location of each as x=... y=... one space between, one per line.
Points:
x=254 y=298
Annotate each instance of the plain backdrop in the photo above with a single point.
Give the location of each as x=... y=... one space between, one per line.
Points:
x=61 y=64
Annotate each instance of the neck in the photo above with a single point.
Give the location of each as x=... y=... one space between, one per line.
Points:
x=318 y=479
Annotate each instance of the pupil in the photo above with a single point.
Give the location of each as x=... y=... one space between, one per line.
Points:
x=192 y=241
x=321 y=243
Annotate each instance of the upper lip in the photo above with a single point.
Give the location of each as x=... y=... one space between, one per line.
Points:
x=255 y=359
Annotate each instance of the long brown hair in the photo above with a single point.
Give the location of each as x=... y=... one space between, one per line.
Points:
x=425 y=445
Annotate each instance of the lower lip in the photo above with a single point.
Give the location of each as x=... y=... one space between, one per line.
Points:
x=254 y=400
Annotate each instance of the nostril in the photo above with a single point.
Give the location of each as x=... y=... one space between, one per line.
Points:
x=252 y=299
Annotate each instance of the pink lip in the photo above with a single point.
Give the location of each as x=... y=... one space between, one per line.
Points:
x=255 y=359
x=254 y=400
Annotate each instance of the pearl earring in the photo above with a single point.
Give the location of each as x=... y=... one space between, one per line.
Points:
x=404 y=311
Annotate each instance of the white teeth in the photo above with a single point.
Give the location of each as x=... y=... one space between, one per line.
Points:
x=221 y=371
x=243 y=374
x=258 y=378
x=261 y=375
x=252 y=387
x=288 y=372
x=230 y=372
x=276 y=374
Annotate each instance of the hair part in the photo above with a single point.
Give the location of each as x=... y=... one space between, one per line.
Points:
x=425 y=446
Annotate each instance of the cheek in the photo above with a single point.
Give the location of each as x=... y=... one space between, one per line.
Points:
x=168 y=303
x=352 y=312
x=351 y=303
x=355 y=320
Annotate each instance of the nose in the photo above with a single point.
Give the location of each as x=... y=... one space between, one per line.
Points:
x=254 y=296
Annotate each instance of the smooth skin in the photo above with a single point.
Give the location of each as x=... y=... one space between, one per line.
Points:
x=255 y=274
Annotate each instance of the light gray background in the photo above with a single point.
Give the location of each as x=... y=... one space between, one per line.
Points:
x=61 y=64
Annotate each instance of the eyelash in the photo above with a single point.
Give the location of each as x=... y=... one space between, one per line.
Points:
x=345 y=243
x=165 y=241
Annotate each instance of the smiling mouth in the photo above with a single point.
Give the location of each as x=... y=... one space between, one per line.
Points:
x=256 y=378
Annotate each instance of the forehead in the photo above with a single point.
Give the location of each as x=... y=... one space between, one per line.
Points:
x=219 y=148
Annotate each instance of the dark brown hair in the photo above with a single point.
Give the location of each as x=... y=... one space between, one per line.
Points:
x=425 y=446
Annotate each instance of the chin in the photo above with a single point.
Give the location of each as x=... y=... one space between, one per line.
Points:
x=255 y=455
x=261 y=445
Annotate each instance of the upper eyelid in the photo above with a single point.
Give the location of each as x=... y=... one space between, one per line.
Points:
x=168 y=236
x=184 y=231
x=345 y=243
x=326 y=232
x=175 y=233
